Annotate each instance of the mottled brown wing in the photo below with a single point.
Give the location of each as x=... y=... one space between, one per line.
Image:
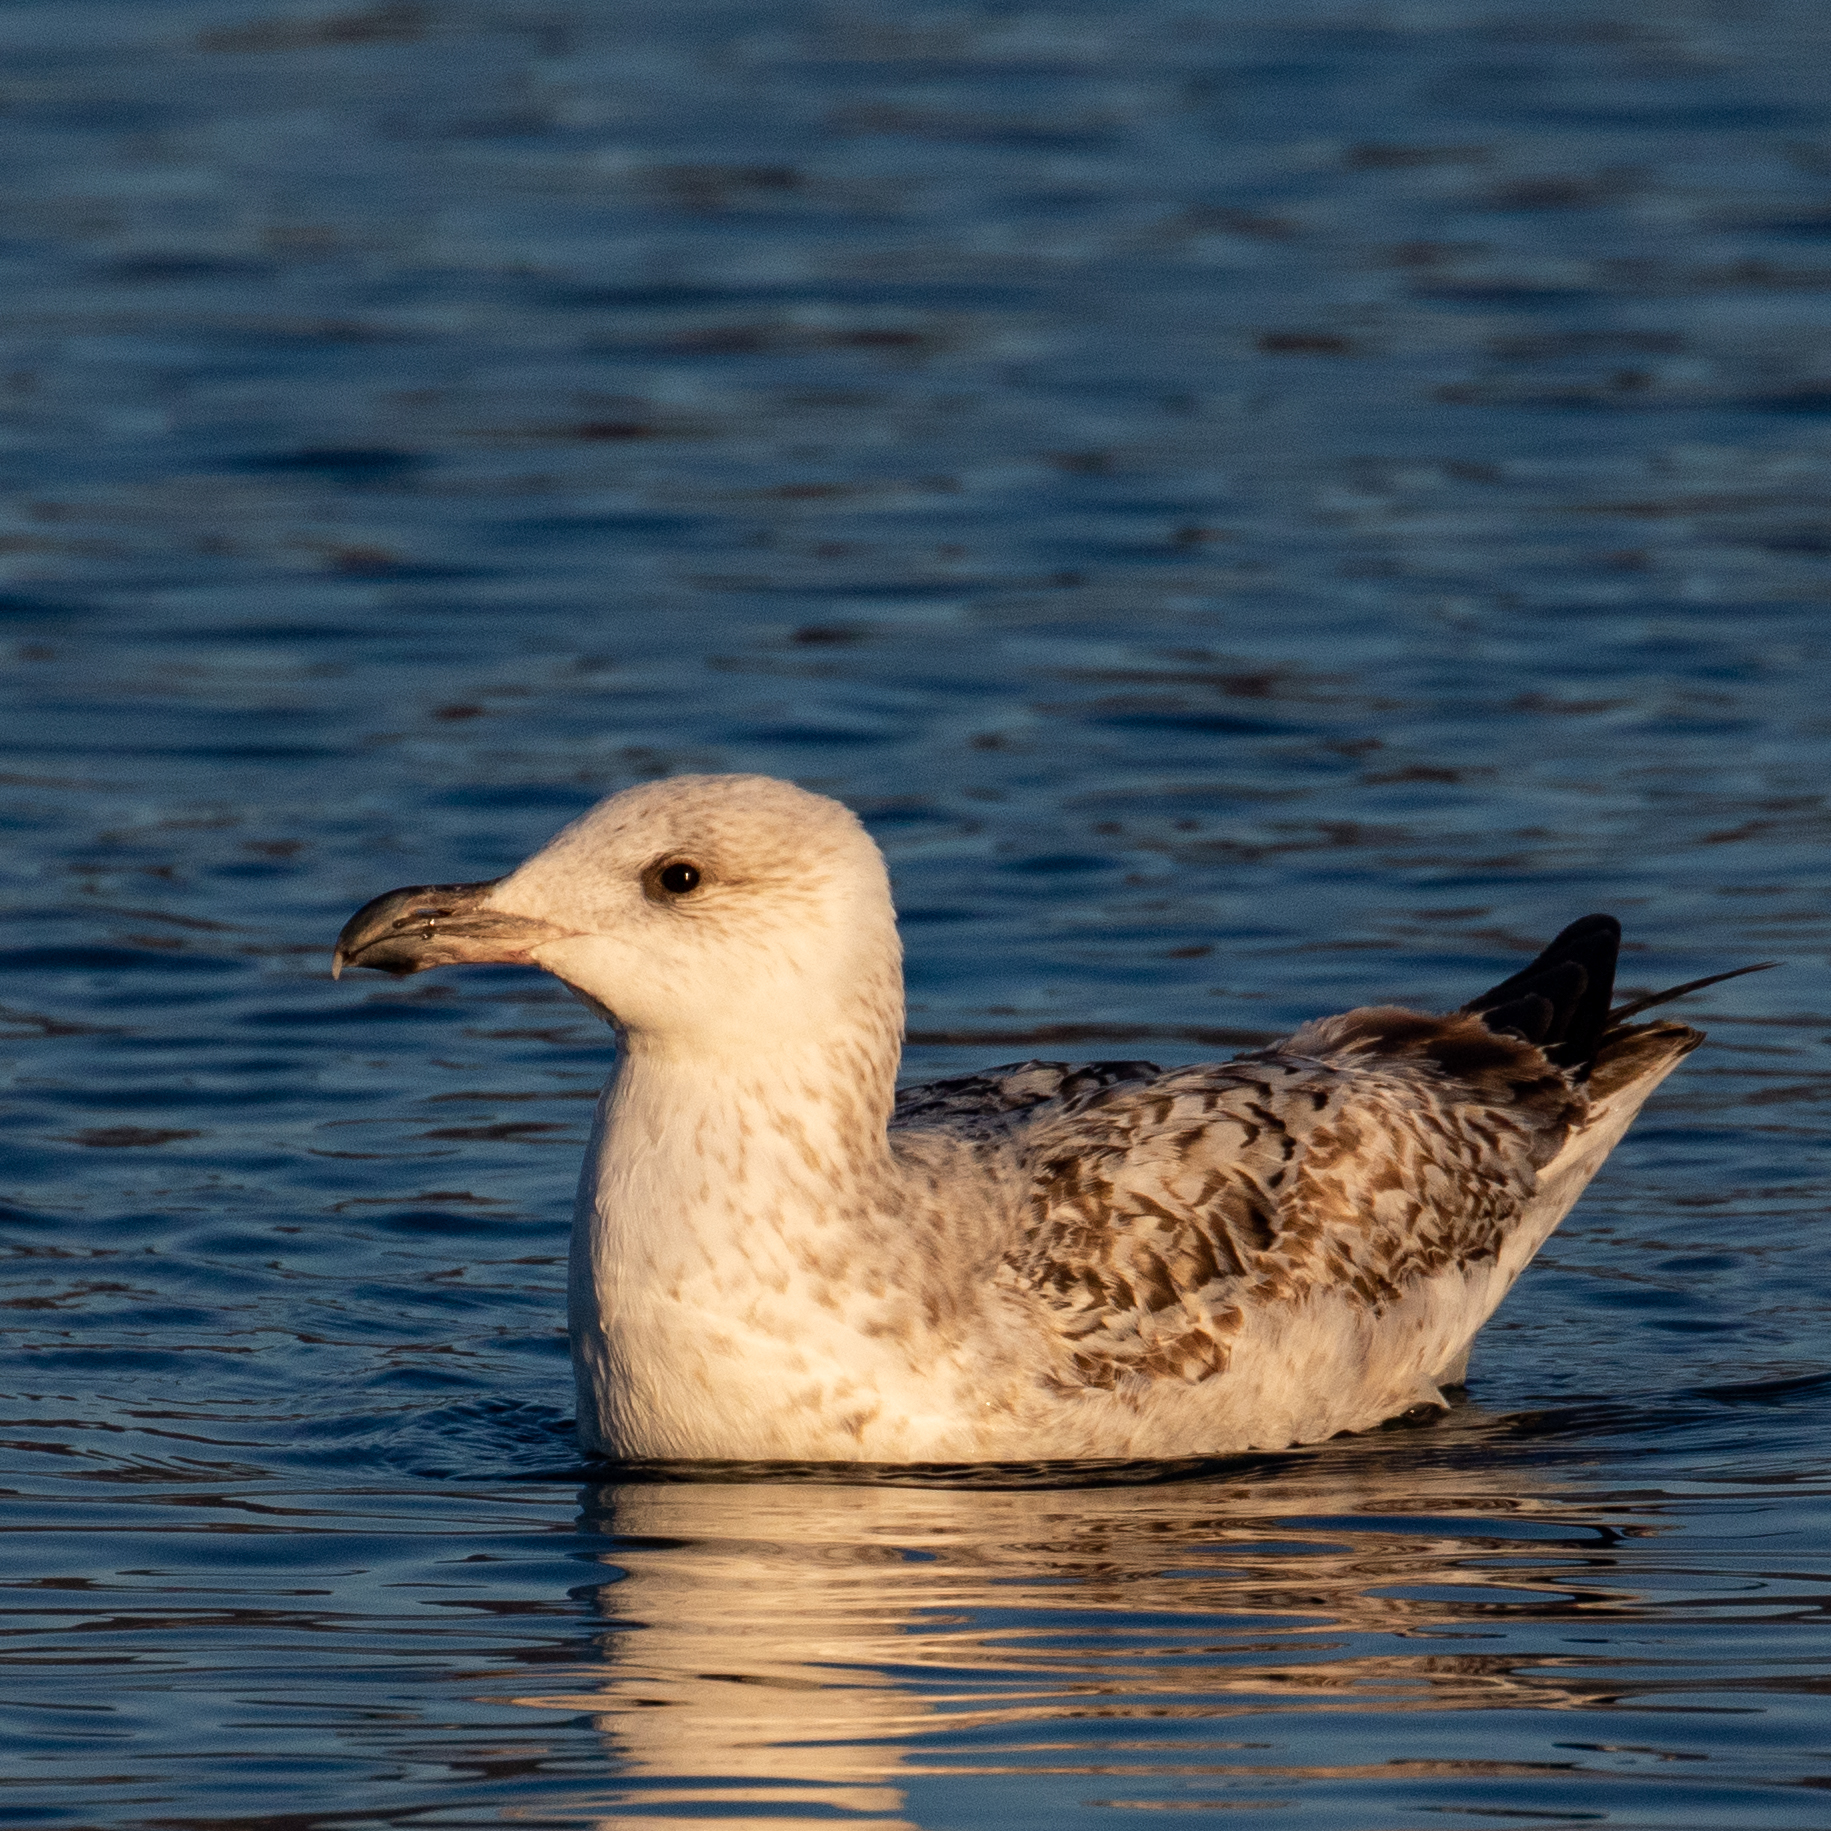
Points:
x=996 y=1099
x=1363 y=1154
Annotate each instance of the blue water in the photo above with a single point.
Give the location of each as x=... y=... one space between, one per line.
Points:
x=1262 y=508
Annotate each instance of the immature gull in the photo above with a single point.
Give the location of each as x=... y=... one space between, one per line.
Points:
x=777 y=1256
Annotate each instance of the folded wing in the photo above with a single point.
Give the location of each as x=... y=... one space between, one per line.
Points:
x=1369 y=1153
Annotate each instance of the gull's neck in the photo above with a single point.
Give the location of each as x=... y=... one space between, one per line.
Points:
x=808 y=1108
x=728 y=1201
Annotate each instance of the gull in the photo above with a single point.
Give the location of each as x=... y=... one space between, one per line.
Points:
x=777 y=1256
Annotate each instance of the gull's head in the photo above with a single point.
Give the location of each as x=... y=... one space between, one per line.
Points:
x=694 y=912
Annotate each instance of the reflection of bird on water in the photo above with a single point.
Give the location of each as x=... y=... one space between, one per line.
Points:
x=776 y=1256
x=791 y=1649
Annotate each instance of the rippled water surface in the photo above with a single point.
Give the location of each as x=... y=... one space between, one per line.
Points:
x=1262 y=507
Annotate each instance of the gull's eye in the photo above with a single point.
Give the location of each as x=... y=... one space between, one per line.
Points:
x=678 y=878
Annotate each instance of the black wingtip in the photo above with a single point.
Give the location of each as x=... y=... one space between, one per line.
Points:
x=1529 y=1018
x=1622 y=1013
x=1575 y=976
x=1592 y=942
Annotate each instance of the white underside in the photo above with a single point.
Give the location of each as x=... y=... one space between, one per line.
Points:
x=806 y=1390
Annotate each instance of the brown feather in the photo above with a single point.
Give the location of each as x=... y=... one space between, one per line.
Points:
x=1365 y=1153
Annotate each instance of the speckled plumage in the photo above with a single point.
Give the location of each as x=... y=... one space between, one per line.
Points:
x=776 y=1255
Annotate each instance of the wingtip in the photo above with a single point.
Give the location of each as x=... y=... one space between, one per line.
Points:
x=1622 y=1013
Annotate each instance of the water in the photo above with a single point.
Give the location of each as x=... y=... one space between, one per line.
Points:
x=1262 y=508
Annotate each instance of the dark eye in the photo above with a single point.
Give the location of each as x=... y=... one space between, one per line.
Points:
x=677 y=879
